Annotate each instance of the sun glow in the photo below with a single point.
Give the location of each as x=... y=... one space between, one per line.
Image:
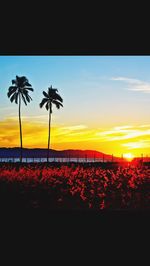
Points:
x=128 y=156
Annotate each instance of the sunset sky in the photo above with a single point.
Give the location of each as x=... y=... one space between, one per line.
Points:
x=106 y=103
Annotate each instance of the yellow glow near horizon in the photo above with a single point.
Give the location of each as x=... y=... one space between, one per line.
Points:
x=128 y=156
x=117 y=140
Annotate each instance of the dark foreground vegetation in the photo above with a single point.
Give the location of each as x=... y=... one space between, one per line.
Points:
x=57 y=186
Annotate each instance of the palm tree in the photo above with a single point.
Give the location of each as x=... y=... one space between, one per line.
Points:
x=51 y=97
x=20 y=91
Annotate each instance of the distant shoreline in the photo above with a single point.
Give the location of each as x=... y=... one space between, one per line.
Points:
x=42 y=153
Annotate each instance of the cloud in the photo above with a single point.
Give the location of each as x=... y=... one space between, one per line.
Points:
x=134 y=84
x=143 y=126
x=115 y=139
x=35 y=133
x=123 y=127
x=124 y=133
x=9 y=133
x=72 y=128
x=137 y=144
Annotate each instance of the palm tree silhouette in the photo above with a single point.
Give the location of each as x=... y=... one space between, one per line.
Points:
x=51 y=97
x=20 y=91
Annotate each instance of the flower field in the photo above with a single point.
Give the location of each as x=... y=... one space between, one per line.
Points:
x=74 y=187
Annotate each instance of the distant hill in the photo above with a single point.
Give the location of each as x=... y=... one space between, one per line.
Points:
x=42 y=153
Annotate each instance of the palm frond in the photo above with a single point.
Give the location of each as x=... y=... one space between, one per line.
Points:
x=51 y=97
x=22 y=82
x=45 y=94
x=30 y=97
x=47 y=106
x=11 y=90
x=54 y=95
x=21 y=86
x=28 y=84
x=14 y=97
x=44 y=100
x=58 y=97
x=58 y=104
x=23 y=98
x=13 y=81
x=17 y=80
x=30 y=89
x=23 y=79
x=26 y=95
x=51 y=91
x=24 y=91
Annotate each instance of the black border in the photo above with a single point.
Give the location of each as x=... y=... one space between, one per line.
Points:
x=65 y=39
x=113 y=227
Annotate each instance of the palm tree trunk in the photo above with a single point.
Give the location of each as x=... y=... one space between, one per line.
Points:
x=49 y=127
x=20 y=129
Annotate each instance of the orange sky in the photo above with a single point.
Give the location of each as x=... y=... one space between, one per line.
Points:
x=116 y=140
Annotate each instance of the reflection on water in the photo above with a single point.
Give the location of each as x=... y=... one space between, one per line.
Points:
x=38 y=160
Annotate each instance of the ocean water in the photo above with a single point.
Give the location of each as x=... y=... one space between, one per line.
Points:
x=37 y=160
